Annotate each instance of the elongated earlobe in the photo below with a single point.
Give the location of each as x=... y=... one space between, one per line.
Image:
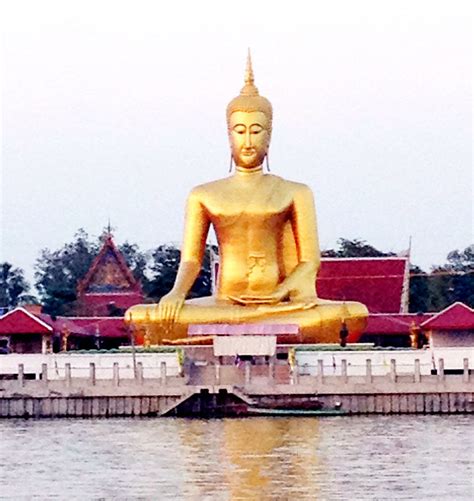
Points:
x=268 y=163
x=230 y=164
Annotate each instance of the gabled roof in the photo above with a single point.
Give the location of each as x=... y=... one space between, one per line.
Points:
x=394 y=323
x=458 y=316
x=62 y=324
x=109 y=254
x=381 y=283
x=110 y=327
x=21 y=321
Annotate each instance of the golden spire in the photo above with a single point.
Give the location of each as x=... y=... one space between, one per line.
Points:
x=249 y=88
x=249 y=70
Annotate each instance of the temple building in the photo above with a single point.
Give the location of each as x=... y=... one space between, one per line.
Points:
x=24 y=332
x=109 y=288
x=103 y=295
x=454 y=326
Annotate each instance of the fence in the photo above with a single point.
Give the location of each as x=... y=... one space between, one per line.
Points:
x=79 y=365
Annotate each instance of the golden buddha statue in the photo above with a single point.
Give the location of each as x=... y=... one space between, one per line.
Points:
x=268 y=246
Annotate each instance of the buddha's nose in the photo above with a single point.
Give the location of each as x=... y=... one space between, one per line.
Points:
x=248 y=142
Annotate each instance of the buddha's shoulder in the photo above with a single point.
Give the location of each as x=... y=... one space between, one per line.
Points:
x=209 y=188
x=220 y=186
x=292 y=186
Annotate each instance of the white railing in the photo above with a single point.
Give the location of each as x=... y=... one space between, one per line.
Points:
x=309 y=361
x=80 y=364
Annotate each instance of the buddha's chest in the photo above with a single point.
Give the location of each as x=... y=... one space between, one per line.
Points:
x=261 y=203
x=248 y=214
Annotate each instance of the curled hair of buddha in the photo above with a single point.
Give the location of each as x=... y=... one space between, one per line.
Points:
x=249 y=99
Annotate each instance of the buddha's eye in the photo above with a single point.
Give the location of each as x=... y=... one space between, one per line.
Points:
x=240 y=129
x=256 y=129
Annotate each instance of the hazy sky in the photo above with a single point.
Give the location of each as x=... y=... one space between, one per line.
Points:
x=117 y=109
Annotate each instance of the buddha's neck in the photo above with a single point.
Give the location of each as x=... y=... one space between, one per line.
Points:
x=248 y=172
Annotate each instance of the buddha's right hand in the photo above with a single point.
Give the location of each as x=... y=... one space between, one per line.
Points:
x=169 y=308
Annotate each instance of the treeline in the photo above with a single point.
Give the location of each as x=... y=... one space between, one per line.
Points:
x=58 y=272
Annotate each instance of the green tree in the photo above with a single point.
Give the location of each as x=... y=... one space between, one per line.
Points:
x=58 y=272
x=419 y=300
x=355 y=248
x=445 y=284
x=13 y=287
x=164 y=268
x=454 y=281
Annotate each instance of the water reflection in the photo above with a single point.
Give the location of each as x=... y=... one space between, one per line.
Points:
x=383 y=457
x=270 y=456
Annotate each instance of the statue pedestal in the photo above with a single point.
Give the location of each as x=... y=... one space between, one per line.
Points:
x=282 y=333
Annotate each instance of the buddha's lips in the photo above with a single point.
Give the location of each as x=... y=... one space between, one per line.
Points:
x=248 y=153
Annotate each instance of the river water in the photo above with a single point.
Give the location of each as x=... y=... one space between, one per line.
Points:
x=340 y=458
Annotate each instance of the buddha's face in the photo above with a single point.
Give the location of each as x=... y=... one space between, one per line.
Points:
x=249 y=137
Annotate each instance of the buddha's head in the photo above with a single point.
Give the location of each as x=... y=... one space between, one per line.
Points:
x=249 y=124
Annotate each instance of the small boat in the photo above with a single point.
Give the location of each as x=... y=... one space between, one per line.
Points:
x=262 y=411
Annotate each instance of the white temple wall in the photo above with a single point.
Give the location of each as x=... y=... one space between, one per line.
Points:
x=441 y=339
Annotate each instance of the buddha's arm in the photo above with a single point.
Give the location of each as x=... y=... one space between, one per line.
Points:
x=194 y=243
x=301 y=282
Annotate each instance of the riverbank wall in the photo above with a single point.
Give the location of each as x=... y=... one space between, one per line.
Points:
x=228 y=390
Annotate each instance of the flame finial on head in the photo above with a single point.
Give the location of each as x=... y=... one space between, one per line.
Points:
x=249 y=98
x=249 y=88
x=249 y=70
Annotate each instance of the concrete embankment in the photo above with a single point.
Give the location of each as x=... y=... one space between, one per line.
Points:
x=231 y=390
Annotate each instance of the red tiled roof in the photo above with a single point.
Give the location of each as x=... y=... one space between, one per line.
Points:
x=61 y=324
x=123 y=300
x=376 y=282
x=111 y=327
x=20 y=321
x=458 y=316
x=394 y=323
